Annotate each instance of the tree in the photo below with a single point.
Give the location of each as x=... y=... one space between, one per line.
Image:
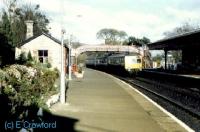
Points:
x=19 y=32
x=111 y=36
x=32 y=12
x=145 y=40
x=122 y=36
x=13 y=21
x=5 y=27
x=6 y=48
x=131 y=41
x=17 y=27
x=6 y=51
x=136 y=41
x=10 y=6
x=103 y=34
x=186 y=27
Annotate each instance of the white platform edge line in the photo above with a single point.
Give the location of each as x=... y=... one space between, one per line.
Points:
x=154 y=103
x=161 y=108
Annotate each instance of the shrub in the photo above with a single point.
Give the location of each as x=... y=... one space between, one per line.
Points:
x=48 y=65
x=24 y=86
x=3 y=75
x=29 y=56
x=29 y=63
x=22 y=59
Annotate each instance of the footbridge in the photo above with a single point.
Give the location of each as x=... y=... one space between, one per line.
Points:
x=108 y=48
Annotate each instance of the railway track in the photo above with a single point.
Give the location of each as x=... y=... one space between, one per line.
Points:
x=186 y=113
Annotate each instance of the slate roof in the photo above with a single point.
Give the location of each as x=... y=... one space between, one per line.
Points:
x=34 y=37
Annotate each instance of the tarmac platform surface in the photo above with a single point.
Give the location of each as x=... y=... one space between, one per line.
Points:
x=101 y=103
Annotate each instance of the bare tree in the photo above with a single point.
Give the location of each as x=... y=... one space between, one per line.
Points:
x=186 y=27
x=10 y=8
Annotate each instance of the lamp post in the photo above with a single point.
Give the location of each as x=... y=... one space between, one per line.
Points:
x=145 y=55
x=69 y=59
x=62 y=77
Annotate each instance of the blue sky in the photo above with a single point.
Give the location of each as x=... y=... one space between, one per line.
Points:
x=150 y=18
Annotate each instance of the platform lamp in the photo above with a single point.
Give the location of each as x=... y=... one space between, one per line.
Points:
x=69 y=58
x=145 y=54
x=62 y=76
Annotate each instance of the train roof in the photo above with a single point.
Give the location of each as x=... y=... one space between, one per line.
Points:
x=113 y=55
x=124 y=54
x=94 y=57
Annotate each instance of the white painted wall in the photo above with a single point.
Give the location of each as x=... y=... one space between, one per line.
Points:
x=43 y=43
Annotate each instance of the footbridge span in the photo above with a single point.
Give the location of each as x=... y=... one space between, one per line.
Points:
x=108 y=48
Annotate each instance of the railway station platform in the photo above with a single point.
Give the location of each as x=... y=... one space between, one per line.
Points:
x=102 y=103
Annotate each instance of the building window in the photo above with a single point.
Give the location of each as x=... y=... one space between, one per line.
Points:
x=43 y=56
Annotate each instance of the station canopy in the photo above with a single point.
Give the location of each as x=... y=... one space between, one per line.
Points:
x=189 y=39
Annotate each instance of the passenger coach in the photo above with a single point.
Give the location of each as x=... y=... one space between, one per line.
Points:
x=117 y=63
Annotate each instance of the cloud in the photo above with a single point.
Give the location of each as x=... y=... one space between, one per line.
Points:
x=181 y=14
x=85 y=18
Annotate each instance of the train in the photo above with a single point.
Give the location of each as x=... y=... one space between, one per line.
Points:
x=117 y=63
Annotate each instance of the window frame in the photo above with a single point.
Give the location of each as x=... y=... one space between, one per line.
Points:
x=43 y=56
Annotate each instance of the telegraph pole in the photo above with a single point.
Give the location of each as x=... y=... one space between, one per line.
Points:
x=62 y=77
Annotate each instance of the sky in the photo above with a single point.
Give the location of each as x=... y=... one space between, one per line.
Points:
x=149 y=18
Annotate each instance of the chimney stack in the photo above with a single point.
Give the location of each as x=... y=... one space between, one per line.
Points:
x=29 y=29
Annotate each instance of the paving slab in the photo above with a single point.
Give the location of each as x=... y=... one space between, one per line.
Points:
x=101 y=103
